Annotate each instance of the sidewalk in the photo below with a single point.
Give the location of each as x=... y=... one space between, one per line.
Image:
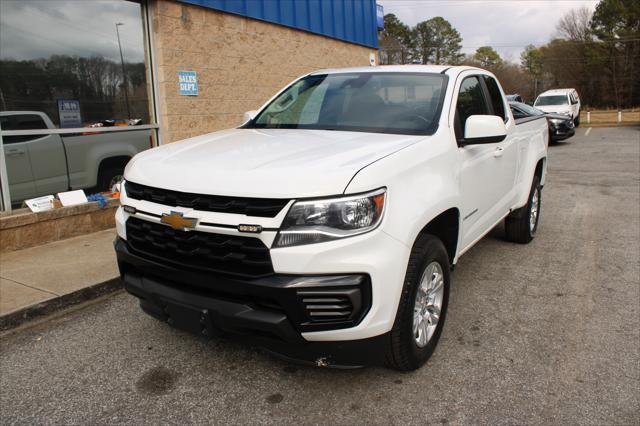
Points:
x=39 y=280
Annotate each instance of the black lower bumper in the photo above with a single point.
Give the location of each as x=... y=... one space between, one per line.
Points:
x=562 y=134
x=264 y=312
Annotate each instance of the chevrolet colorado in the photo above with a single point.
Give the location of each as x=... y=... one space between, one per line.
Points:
x=325 y=227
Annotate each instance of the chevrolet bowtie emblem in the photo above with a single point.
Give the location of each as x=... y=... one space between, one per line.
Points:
x=176 y=220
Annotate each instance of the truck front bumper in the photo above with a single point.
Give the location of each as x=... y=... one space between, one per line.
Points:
x=267 y=312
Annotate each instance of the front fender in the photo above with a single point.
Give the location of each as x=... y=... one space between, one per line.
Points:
x=422 y=182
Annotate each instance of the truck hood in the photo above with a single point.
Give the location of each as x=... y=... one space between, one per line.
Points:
x=264 y=163
x=555 y=109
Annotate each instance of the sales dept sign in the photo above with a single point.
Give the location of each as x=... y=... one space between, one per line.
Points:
x=188 y=81
x=69 y=113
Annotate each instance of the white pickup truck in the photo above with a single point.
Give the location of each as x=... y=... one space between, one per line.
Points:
x=325 y=227
x=47 y=164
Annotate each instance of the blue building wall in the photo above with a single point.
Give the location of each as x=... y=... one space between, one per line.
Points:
x=353 y=21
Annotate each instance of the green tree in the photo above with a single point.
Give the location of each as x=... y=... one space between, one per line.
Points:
x=487 y=57
x=395 y=41
x=531 y=60
x=616 y=23
x=437 y=42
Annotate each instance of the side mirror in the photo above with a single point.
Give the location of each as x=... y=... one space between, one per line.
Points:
x=481 y=129
x=249 y=115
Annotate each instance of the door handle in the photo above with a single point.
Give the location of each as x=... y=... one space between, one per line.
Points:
x=498 y=152
x=14 y=152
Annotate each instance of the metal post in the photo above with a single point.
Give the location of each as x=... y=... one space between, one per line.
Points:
x=5 y=201
x=619 y=117
x=588 y=117
x=152 y=74
x=124 y=74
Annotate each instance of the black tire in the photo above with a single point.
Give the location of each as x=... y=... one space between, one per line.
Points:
x=403 y=353
x=517 y=224
x=107 y=176
x=576 y=121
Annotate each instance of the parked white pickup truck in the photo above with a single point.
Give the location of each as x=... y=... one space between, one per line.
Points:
x=560 y=101
x=324 y=228
x=48 y=164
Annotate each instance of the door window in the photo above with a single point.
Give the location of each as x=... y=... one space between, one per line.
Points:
x=471 y=101
x=496 y=97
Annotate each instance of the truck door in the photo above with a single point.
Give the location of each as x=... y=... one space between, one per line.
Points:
x=506 y=151
x=49 y=164
x=575 y=107
x=16 y=154
x=485 y=177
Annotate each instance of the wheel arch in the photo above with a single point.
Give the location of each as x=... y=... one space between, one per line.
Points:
x=113 y=162
x=540 y=170
x=446 y=227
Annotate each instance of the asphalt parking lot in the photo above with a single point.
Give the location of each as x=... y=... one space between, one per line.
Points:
x=543 y=333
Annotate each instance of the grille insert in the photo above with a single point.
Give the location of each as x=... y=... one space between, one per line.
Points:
x=260 y=207
x=330 y=305
x=226 y=254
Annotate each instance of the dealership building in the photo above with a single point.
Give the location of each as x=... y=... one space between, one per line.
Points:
x=85 y=85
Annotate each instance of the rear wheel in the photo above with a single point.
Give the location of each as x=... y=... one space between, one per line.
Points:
x=521 y=225
x=423 y=306
x=110 y=178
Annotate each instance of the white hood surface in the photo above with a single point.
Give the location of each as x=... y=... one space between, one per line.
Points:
x=555 y=109
x=264 y=163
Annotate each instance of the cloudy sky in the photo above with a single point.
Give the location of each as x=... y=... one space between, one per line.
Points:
x=506 y=25
x=31 y=29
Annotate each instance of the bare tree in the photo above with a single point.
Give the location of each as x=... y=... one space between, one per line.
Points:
x=575 y=25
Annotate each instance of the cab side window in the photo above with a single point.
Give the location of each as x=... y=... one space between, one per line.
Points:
x=21 y=122
x=496 y=97
x=470 y=102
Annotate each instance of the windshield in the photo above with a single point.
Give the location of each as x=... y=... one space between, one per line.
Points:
x=527 y=109
x=552 y=100
x=402 y=103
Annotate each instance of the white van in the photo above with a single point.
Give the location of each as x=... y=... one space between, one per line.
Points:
x=560 y=101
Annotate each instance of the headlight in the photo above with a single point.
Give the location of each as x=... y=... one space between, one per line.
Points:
x=556 y=121
x=316 y=221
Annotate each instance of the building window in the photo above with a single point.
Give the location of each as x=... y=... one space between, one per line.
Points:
x=69 y=65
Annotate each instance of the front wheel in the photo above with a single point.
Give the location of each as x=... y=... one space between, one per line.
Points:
x=576 y=121
x=423 y=306
x=521 y=224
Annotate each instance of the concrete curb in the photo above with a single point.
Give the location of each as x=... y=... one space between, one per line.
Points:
x=48 y=307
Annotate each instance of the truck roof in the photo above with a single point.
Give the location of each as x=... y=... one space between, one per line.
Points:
x=22 y=113
x=556 y=92
x=437 y=69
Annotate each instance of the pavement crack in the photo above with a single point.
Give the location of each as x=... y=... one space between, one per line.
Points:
x=31 y=286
